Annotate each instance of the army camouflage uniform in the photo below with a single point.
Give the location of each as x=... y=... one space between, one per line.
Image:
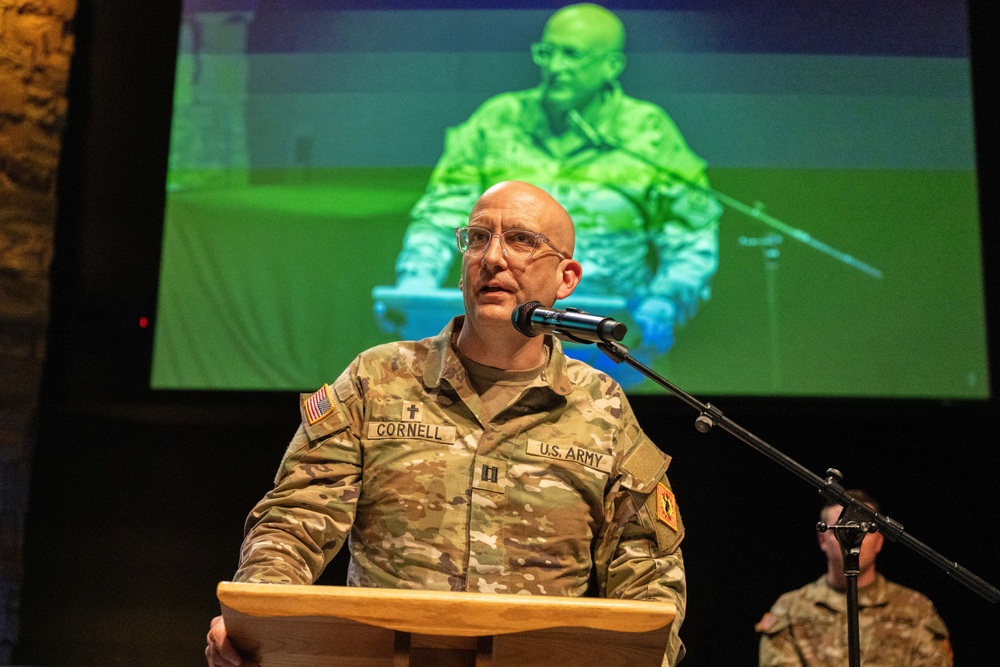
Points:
x=561 y=488
x=898 y=627
x=640 y=232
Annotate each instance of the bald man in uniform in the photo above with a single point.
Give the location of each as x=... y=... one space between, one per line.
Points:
x=477 y=460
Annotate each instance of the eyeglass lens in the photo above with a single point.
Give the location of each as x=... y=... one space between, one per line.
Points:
x=516 y=242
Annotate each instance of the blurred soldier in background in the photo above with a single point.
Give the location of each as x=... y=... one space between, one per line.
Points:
x=897 y=626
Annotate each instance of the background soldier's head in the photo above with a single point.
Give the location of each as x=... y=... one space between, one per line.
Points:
x=870 y=546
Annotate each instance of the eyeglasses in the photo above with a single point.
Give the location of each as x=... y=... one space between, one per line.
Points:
x=543 y=53
x=515 y=243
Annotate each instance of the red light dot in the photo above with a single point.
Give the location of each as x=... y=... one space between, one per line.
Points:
x=143 y=322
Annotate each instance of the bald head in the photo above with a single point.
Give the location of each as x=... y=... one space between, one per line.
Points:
x=601 y=28
x=580 y=57
x=519 y=200
x=497 y=278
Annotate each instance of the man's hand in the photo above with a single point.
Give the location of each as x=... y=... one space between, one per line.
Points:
x=220 y=652
x=655 y=318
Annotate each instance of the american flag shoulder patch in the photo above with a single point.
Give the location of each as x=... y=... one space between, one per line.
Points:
x=319 y=405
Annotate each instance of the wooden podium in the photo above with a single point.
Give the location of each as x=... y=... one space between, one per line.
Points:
x=309 y=626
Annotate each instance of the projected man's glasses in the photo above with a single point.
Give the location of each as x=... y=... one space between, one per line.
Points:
x=515 y=243
x=543 y=54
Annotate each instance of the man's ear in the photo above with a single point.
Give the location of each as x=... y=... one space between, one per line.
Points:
x=569 y=277
x=614 y=64
x=879 y=540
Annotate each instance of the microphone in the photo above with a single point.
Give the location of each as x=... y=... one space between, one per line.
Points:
x=532 y=319
x=587 y=130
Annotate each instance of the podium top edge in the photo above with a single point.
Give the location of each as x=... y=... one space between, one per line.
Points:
x=398 y=608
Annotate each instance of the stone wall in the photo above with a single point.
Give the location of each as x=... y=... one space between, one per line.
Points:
x=36 y=45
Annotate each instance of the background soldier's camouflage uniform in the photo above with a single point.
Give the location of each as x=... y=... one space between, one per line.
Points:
x=557 y=489
x=640 y=233
x=898 y=627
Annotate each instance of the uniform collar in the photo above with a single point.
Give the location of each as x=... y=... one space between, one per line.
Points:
x=443 y=363
x=600 y=115
x=872 y=595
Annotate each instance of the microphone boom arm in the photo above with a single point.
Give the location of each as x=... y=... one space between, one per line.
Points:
x=755 y=212
x=830 y=487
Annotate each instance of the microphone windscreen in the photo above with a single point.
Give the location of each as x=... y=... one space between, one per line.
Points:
x=521 y=317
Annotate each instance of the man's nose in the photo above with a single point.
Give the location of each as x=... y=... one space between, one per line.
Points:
x=494 y=254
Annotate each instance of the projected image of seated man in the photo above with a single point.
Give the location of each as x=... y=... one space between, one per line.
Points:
x=646 y=232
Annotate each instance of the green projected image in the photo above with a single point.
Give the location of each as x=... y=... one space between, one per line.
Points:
x=646 y=231
x=793 y=214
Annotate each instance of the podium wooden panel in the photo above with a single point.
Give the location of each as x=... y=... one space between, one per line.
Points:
x=313 y=626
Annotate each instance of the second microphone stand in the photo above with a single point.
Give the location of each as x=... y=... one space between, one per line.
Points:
x=855 y=521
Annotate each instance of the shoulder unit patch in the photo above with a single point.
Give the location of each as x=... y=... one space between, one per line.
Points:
x=666 y=508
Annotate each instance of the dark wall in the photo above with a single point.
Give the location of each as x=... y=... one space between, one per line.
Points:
x=138 y=498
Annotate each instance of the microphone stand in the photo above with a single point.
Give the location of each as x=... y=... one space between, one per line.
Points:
x=850 y=531
x=770 y=254
x=856 y=519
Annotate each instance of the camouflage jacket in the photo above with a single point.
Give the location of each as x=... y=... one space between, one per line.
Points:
x=561 y=488
x=898 y=627
x=640 y=231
